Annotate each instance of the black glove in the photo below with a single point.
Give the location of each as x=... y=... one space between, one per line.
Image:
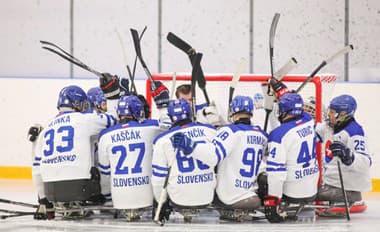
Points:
x=124 y=87
x=272 y=209
x=33 y=132
x=45 y=210
x=110 y=86
x=343 y=152
x=278 y=87
x=262 y=182
x=160 y=95
x=145 y=104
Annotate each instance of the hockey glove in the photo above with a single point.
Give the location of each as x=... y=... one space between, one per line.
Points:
x=33 y=132
x=183 y=143
x=268 y=98
x=160 y=95
x=124 y=87
x=278 y=87
x=45 y=210
x=272 y=209
x=343 y=152
x=110 y=86
x=209 y=115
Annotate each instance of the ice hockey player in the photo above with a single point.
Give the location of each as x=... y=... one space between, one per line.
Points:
x=125 y=158
x=207 y=114
x=240 y=146
x=191 y=180
x=349 y=146
x=97 y=100
x=292 y=169
x=63 y=158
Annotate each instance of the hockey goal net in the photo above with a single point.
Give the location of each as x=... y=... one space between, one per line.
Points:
x=320 y=87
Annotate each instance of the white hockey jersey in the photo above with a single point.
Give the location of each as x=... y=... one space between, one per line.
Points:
x=125 y=163
x=292 y=166
x=242 y=147
x=63 y=151
x=356 y=177
x=191 y=181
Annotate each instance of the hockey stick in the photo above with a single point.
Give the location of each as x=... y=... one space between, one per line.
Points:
x=164 y=193
x=343 y=191
x=195 y=77
x=67 y=56
x=18 y=203
x=235 y=79
x=174 y=80
x=291 y=64
x=136 y=42
x=133 y=87
x=14 y=213
x=272 y=34
x=324 y=63
x=191 y=53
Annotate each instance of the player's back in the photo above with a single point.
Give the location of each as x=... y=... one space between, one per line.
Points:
x=64 y=149
x=243 y=147
x=292 y=159
x=126 y=151
x=191 y=182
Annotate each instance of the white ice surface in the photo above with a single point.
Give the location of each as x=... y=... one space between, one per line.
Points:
x=367 y=221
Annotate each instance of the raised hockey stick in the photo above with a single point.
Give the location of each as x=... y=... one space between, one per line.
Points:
x=343 y=191
x=136 y=42
x=195 y=77
x=133 y=87
x=341 y=52
x=174 y=81
x=291 y=64
x=18 y=203
x=235 y=79
x=67 y=56
x=191 y=53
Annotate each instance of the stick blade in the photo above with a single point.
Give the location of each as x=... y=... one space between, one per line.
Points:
x=180 y=43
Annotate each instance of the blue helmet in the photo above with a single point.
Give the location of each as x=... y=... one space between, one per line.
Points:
x=130 y=106
x=290 y=104
x=344 y=103
x=96 y=97
x=242 y=104
x=72 y=96
x=179 y=109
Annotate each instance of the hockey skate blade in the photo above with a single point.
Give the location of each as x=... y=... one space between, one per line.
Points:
x=306 y=215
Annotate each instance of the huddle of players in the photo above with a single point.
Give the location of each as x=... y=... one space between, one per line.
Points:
x=237 y=166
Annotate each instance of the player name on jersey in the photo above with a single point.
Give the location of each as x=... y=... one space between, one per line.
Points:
x=253 y=139
x=132 y=181
x=126 y=135
x=195 y=178
x=60 y=120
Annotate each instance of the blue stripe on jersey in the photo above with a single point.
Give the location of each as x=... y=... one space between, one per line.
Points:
x=145 y=123
x=353 y=128
x=173 y=129
x=158 y=174
x=219 y=148
x=37 y=158
x=276 y=169
x=36 y=164
x=105 y=173
x=278 y=133
x=160 y=168
x=274 y=163
x=105 y=167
